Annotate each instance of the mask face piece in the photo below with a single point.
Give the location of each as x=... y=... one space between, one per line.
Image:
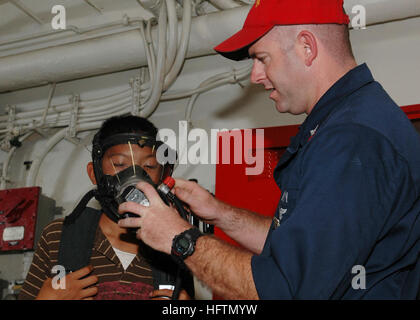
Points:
x=125 y=182
x=120 y=188
x=113 y=189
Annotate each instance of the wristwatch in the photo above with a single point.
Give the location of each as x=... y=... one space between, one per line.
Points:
x=183 y=245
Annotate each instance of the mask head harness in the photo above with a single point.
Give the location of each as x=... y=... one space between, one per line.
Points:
x=110 y=187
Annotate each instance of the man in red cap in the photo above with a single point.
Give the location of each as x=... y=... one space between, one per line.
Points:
x=277 y=33
x=347 y=225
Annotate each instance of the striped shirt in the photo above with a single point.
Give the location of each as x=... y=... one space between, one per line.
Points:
x=135 y=282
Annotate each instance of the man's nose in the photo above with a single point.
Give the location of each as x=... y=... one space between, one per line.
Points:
x=257 y=73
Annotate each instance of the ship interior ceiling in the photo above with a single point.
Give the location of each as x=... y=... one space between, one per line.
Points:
x=68 y=65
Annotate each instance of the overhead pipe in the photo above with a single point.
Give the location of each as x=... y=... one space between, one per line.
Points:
x=102 y=107
x=50 y=96
x=5 y=169
x=233 y=76
x=36 y=163
x=113 y=53
x=51 y=38
x=224 y=4
x=93 y=6
x=115 y=103
x=159 y=78
x=150 y=57
x=183 y=48
x=53 y=141
x=172 y=34
x=124 y=51
x=224 y=78
x=87 y=106
x=27 y=11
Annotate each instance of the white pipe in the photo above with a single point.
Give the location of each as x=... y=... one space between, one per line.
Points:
x=150 y=42
x=109 y=54
x=32 y=118
x=36 y=113
x=124 y=51
x=121 y=105
x=50 y=96
x=224 y=4
x=149 y=54
x=230 y=77
x=86 y=107
x=27 y=11
x=120 y=109
x=156 y=73
x=215 y=81
x=93 y=6
x=33 y=172
x=249 y=2
x=20 y=41
x=172 y=34
x=119 y=102
x=157 y=86
x=37 y=39
x=180 y=56
x=9 y=156
x=152 y=5
x=54 y=140
x=104 y=105
x=103 y=99
x=92 y=111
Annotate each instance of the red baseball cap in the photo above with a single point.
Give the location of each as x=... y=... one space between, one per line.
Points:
x=265 y=14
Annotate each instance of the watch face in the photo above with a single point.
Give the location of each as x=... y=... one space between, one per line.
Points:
x=183 y=245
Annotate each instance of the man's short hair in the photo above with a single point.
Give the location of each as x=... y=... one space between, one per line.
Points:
x=334 y=37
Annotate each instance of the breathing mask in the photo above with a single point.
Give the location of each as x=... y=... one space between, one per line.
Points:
x=114 y=189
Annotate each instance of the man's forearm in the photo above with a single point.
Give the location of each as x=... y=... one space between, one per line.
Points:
x=224 y=268
x=245 y=227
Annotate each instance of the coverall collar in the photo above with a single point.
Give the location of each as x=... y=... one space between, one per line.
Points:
x=349 y=83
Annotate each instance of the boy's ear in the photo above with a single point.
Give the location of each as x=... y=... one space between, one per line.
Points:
x=91 y=172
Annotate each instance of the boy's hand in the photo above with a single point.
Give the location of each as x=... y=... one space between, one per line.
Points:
x=75 y=288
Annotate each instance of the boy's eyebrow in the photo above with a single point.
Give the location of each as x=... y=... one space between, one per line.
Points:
x=119 y=154
x=151 y=155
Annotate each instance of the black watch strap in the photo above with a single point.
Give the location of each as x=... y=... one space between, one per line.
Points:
x=183 y=245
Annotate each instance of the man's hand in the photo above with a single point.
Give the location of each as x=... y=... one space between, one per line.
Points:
x=245 y=227
x=76 y=288
x=201 y=202
x=158 y=223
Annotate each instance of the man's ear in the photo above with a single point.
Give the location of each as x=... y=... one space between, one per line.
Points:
x=91 y=172
x=308 y=47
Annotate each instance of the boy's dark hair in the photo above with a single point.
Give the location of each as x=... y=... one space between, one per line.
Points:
x=126 y=124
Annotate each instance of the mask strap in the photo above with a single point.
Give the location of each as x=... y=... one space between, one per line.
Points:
x=132 y=157
x=115 y=170
x=71 y=218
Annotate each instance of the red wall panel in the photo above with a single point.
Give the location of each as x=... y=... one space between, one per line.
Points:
x=18 y=217
x=257 y=193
